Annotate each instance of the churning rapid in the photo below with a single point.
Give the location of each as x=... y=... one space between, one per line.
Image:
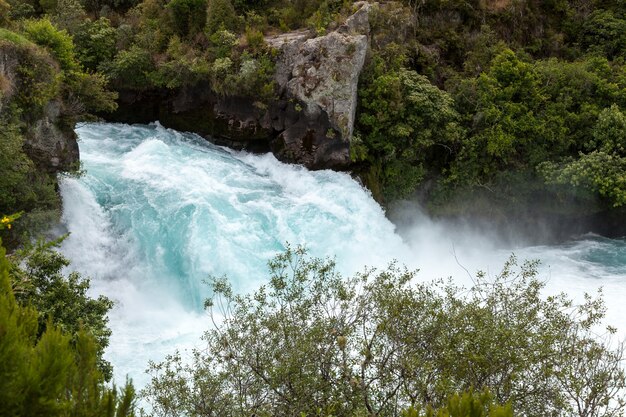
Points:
x=158 y=211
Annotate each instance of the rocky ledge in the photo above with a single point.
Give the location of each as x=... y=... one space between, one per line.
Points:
x=310 y=123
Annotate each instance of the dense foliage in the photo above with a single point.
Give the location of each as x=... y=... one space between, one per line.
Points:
x=528 y=80
x=50 y=359
x=38 y=280
x=461 y=100
x=312 y=342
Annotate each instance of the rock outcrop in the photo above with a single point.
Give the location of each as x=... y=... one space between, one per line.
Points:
x=321 y=74
x=310 y=123
x=50 y=144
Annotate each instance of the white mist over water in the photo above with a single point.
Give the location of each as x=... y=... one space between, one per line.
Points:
x=158 y=211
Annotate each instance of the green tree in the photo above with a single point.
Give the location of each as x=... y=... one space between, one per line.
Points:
x=601 y=171
x=502 y=109
x=95 y=43
x=39 y=281
x=221 y=15
x=604 y=33
x=58 y=42
x=68 y=15
x=46 y=374
x=609 y=133
x=403 y=120
x=82 y=92
x=131 y=68
x=189 y=16
x=311 y=342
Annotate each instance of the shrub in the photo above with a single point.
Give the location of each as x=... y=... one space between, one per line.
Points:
x=402 y=118
x=131 y=68
x=95 y=43
x=604 y=33
x=57 y=42
x=63 y=300
x=221 y=15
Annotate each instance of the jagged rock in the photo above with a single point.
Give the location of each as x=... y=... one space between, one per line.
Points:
x=322 y=75
x=51 y=146
x=359 y=22
x=323 y=72
x=288 y=45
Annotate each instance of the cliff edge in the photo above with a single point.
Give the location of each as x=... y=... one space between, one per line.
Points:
x=311 y=120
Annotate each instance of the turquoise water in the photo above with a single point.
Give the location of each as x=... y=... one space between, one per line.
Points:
x=157 y=211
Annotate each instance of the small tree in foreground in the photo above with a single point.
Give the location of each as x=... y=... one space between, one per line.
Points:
x=313 y=343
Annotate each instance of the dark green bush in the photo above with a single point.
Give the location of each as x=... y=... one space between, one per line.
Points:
x=221 y=15
x=95 y=43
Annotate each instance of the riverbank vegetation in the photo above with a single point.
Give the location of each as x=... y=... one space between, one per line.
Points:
x=474 y=104
x=529 y=89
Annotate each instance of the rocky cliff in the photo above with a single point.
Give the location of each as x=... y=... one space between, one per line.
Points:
x=310 y=122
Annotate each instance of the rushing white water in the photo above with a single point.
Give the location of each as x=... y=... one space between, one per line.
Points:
x=158 y=211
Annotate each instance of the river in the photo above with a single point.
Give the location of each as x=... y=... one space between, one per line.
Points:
x=157 y=211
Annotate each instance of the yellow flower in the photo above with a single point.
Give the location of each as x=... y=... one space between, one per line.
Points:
x=6 y=221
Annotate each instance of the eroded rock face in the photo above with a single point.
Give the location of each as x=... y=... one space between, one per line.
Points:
x=325 y=77
x=50 y=145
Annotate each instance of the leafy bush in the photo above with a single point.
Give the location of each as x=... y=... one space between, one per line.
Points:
x=68 y=15
x=221 y=15
x=88 y=93
x=601 y=171
x=36 y=80
x=95 y=43
x=131 y=68
x=311 y=342
x=184 y=66
x=604 y=33
x=402 y=118
x=57 y=42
